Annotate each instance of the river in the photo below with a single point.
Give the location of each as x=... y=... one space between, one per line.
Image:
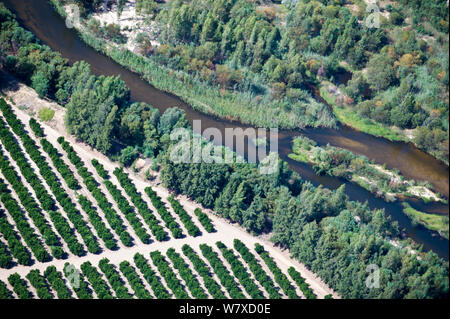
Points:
x=39 y=17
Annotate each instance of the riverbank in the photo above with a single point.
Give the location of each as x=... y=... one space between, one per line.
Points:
x=378 y=180
x=382 y=182
x=431 y=221
x=348 y=116
x=259 y=110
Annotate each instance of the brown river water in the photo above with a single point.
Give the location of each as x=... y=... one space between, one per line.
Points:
x=39 y=17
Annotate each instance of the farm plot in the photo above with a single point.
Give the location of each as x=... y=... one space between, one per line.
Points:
x=73 y=224
x=159 y=275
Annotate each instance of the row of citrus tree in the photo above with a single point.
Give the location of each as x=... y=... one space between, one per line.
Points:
x=112 y=283
x=113 y=218
x=51 y=180
x=34 y=212
x=140 y=204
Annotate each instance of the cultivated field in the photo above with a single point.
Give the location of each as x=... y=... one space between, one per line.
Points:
x=73 y=224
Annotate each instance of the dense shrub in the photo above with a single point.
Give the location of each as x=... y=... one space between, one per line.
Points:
x=16 y=153
x=5 y=293
x=100 y=169
x=98 y=284
x=19 y=286
x=52 y=181
x=55 y=279
x=91 y=184
x=5 y=257
x=80 y=286
x=46 y=114
x=36 y=127
x=140 y=204
x=59 y=164
x=114 y=279
x=204 y=220
x=67 y=233
x=133 y=279
x=240 y=272
x=128 y=211
x=31 y=207
x=280 y=278
x=24 y=228
x=128 y=156
x=18 y=251
x=95 y=219
x=300 y=281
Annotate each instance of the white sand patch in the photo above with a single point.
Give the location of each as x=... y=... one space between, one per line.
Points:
x=140 y=163
x=381 y=6
x=422 y=191
x=418 y=191
x=385 y=171
x=131 y=23
x=352 y=7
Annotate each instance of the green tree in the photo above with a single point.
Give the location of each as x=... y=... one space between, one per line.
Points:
x=107 y=131
x=171 y=119
x=40 y=83
x=240 y=202
x=356 y=86
x=254 y=218
x=284 y=215
x=400 y=116
x=380 y=72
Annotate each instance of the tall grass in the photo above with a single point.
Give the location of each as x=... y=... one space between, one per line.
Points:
x=260 y=111
x=434 y=222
